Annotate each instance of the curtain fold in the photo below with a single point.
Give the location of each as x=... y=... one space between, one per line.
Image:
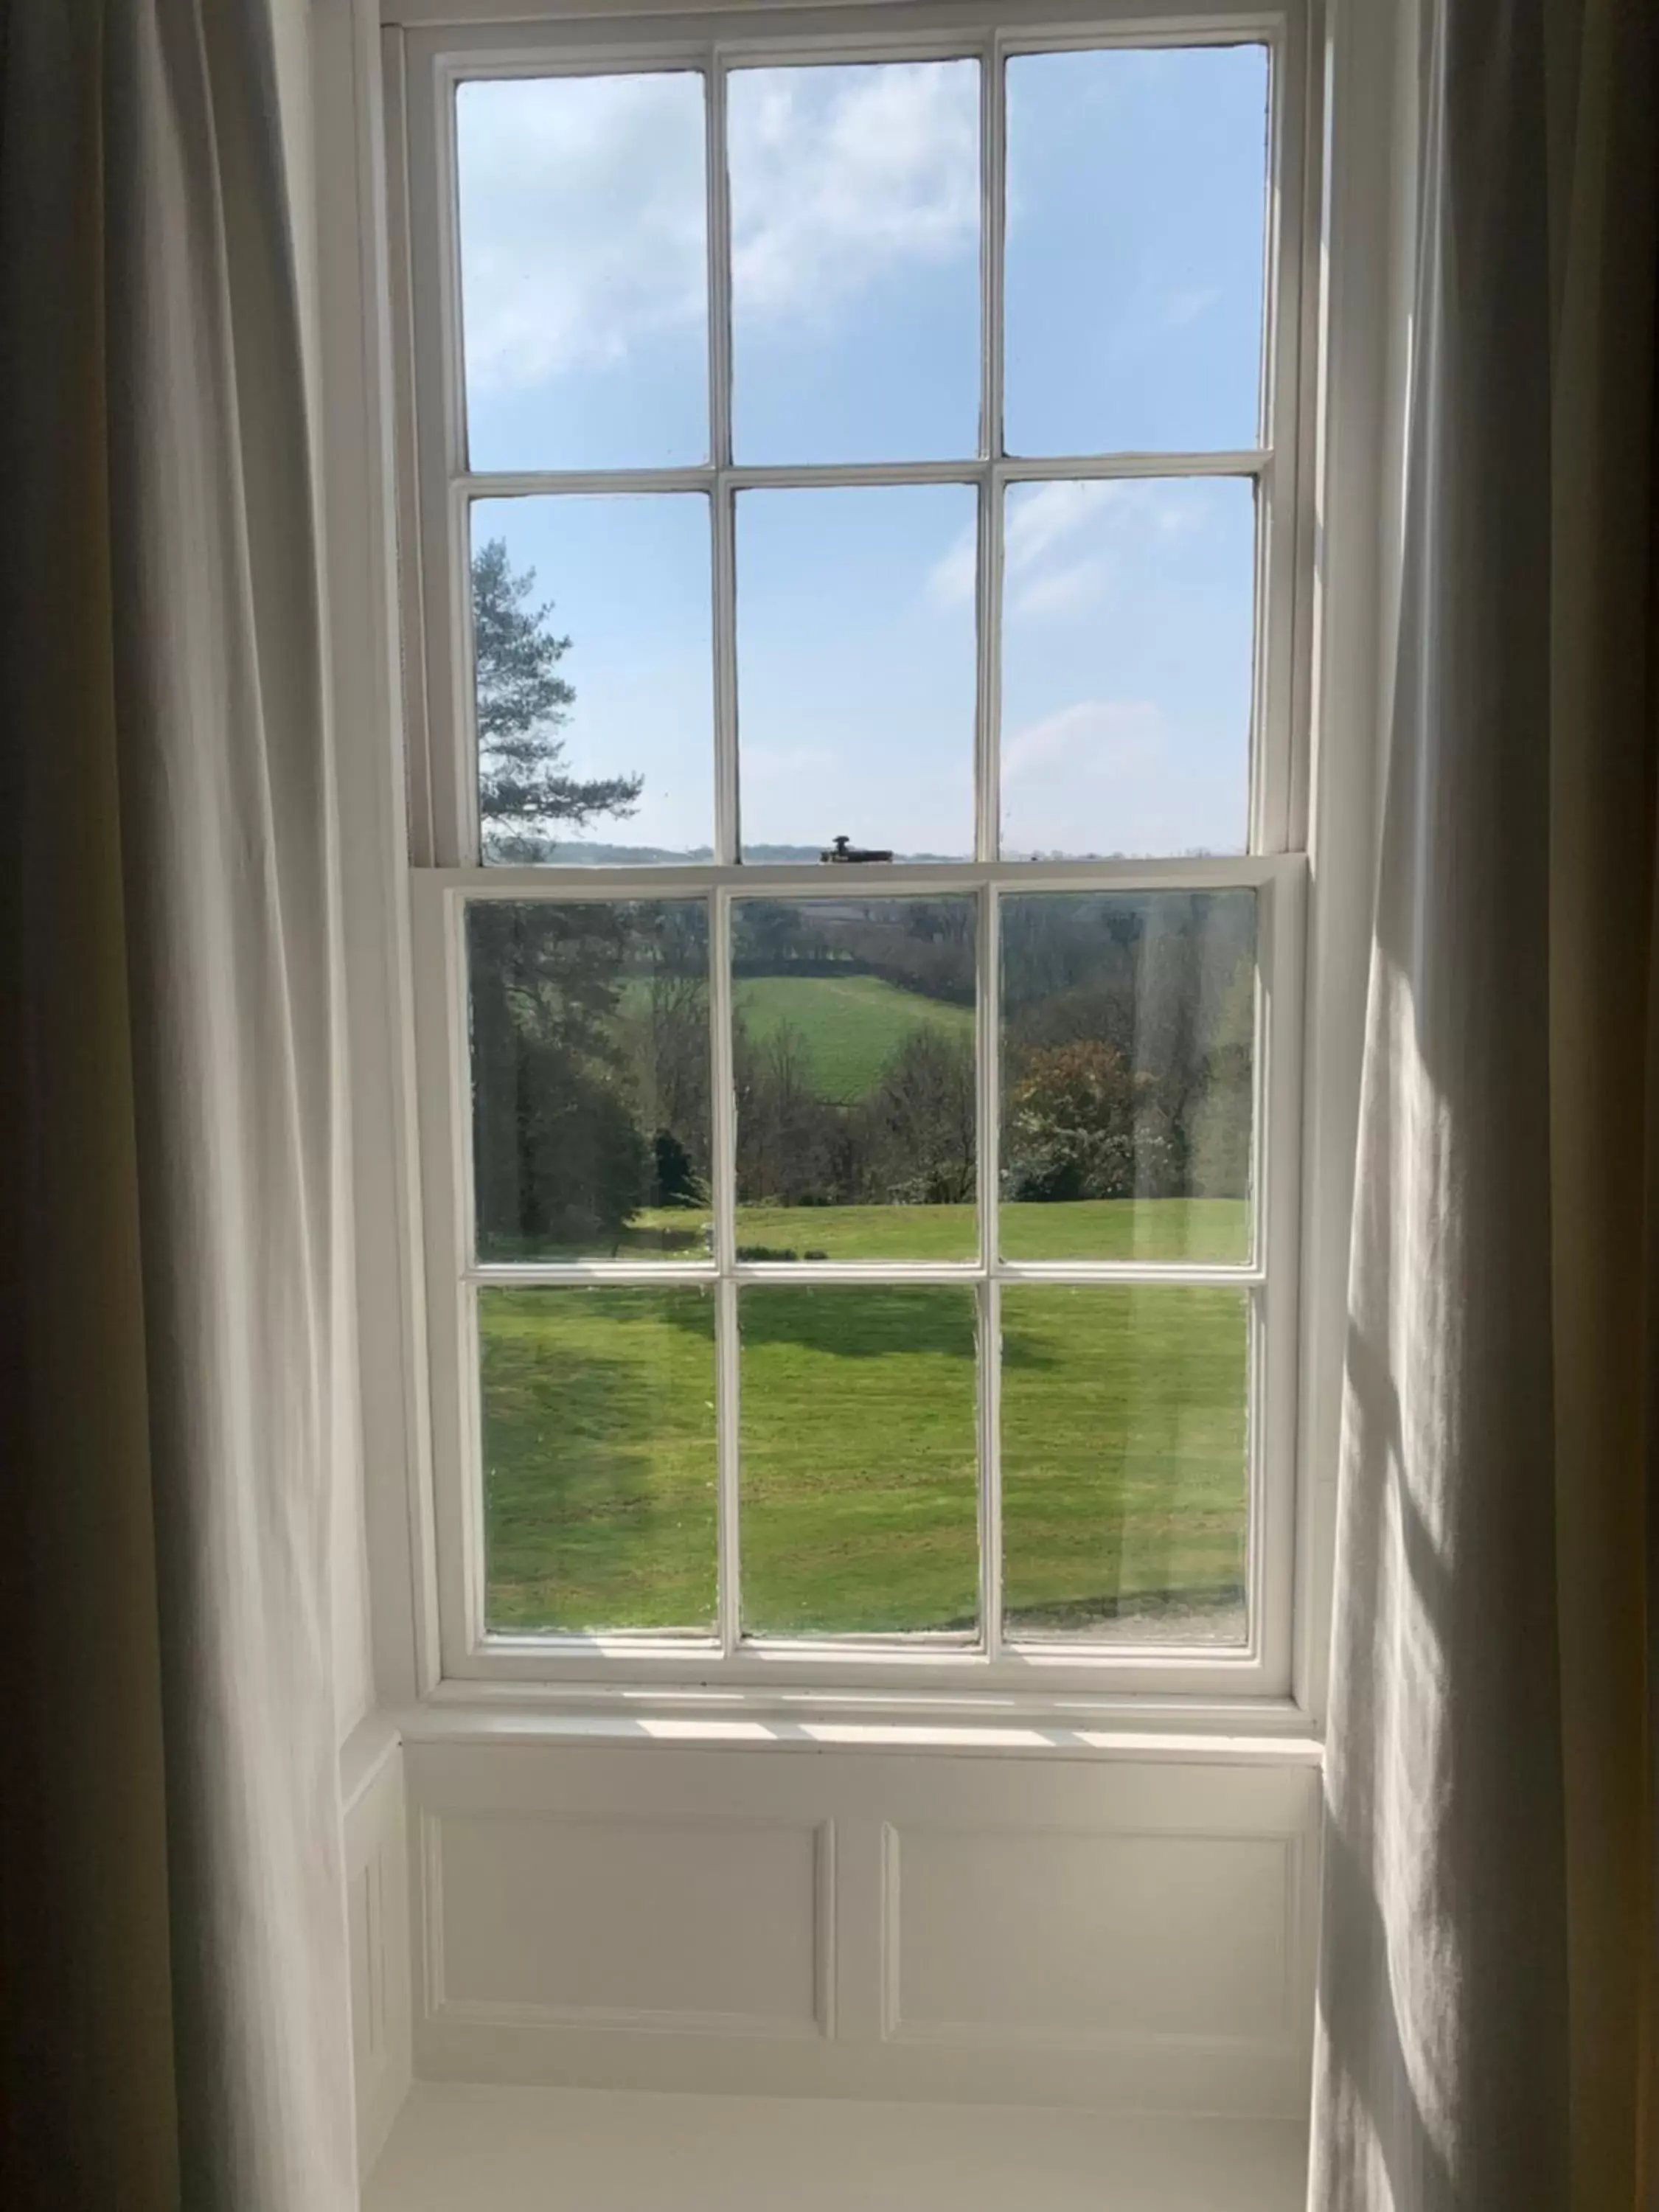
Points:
x=1487 y=1975
x=172 y=1922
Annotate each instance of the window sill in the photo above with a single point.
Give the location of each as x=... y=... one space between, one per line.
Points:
x=1260 y=1732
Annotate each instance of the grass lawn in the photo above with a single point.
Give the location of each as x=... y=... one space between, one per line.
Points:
x=598 y=1438
x=849 y=1025
x=1211 y=1229
x=1123 y=1459
x=858 y=1484
x=1123 y=1448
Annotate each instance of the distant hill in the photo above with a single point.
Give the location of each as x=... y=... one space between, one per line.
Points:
x=656 y=856
x=652 y=856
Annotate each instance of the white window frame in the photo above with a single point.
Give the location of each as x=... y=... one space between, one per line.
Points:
x=423 y=67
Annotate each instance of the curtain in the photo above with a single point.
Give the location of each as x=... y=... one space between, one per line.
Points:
x=1484 y=2032
x=174 y=2006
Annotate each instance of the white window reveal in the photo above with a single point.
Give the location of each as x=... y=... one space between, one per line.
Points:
x=854 y=529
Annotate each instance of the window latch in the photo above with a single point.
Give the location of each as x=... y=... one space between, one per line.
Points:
x=844 y=851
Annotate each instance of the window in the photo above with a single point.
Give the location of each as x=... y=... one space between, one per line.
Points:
x=854 y=546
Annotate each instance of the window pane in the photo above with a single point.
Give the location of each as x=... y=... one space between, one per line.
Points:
x=853 y=1047
x=858 y=1472
x=584 y=271
x=591 y=629
x=599 y=1456
x=1128 y=1025
x=1124 y=1456
x=1127 y=655
x=1136 y=217
x=590 y=1079
x=855 y=261
x=856 y=669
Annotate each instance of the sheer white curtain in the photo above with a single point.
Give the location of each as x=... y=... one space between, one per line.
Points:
x=1484 y=2032
x=174 y=1999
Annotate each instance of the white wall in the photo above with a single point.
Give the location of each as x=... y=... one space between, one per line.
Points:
x=1131 y=1931
x=378 y=1922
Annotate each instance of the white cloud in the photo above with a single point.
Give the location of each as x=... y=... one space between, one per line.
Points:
x=950 y=579
x=784 y=763
x=1099 y=739
x=1184 y=305
x=582 y=205
x=581 y=222
x=1045 y=516
x=841 y=177
x=1045 y=569
x=1110 y=775
x=1065 y=541
x=1063 y=591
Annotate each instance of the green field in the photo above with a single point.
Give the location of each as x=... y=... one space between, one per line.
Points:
x=1122 y=1432
x=849 y=1026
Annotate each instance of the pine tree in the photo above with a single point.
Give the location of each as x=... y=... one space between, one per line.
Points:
x=526 y=796
x=557 y=1154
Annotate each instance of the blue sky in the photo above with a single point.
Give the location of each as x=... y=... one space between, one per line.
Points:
x=1133 y=284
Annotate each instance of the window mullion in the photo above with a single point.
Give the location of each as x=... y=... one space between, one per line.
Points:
x=1256 y=1463
x=726 y=1387
x=993 y=215
x=988 y=832
x=723 y=565
x=727 y=832
x=990 y=1464
x=723 y=1178
x=727 y=847
x=988 y=593
x=720 y=274
x=987 y=1054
